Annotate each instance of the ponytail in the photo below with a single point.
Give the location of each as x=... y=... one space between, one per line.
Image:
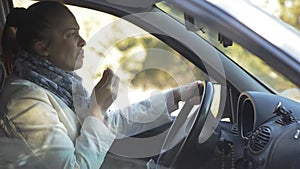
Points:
x=14 y=20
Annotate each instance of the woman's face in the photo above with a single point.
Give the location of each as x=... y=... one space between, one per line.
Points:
x=66 y=46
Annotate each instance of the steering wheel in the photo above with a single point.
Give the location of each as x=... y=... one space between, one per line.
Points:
x=180 y=142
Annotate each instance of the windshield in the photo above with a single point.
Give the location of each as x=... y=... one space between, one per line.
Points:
x=248 y=61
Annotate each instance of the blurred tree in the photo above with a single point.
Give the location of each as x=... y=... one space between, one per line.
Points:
x=159 y=66
x=290 y=12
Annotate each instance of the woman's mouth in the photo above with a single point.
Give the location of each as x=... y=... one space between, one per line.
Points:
x=81 y=52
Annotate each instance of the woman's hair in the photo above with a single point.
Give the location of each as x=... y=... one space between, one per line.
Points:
x=25 y=27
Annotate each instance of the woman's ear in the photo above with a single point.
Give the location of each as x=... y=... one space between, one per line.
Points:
x=41 y=48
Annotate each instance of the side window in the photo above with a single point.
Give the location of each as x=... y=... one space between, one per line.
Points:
x=144 y=64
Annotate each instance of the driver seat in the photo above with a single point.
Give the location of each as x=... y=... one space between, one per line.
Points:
x=2 y=81
x=2 y=76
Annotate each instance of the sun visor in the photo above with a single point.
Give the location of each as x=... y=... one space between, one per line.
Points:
x=134 y=3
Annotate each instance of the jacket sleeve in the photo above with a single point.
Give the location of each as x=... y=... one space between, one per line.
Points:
x=36 y=119
x=142 y=116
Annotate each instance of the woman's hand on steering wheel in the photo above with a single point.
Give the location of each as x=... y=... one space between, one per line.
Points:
x=190 y=92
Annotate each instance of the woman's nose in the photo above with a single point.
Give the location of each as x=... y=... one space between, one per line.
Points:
x=82 y=42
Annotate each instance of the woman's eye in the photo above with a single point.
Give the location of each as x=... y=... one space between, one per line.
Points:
x=72 y=34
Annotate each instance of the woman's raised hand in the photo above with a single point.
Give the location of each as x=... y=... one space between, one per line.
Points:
x=104 y=93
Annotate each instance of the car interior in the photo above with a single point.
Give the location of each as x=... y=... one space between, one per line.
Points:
x=240 y=123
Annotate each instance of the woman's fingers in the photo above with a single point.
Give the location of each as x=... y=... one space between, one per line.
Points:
x=191 y=90
x=106 y=91
x=115 y=86
x=106 y=77
x=195 y=100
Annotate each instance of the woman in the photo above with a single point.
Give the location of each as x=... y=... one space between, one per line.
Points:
x=43 y=100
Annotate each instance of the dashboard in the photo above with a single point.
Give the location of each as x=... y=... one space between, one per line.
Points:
x=270 y=126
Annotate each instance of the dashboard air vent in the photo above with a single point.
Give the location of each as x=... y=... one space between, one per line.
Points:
x=260 y=139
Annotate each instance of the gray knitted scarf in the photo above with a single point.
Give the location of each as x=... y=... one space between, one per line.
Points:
x=66 y=85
